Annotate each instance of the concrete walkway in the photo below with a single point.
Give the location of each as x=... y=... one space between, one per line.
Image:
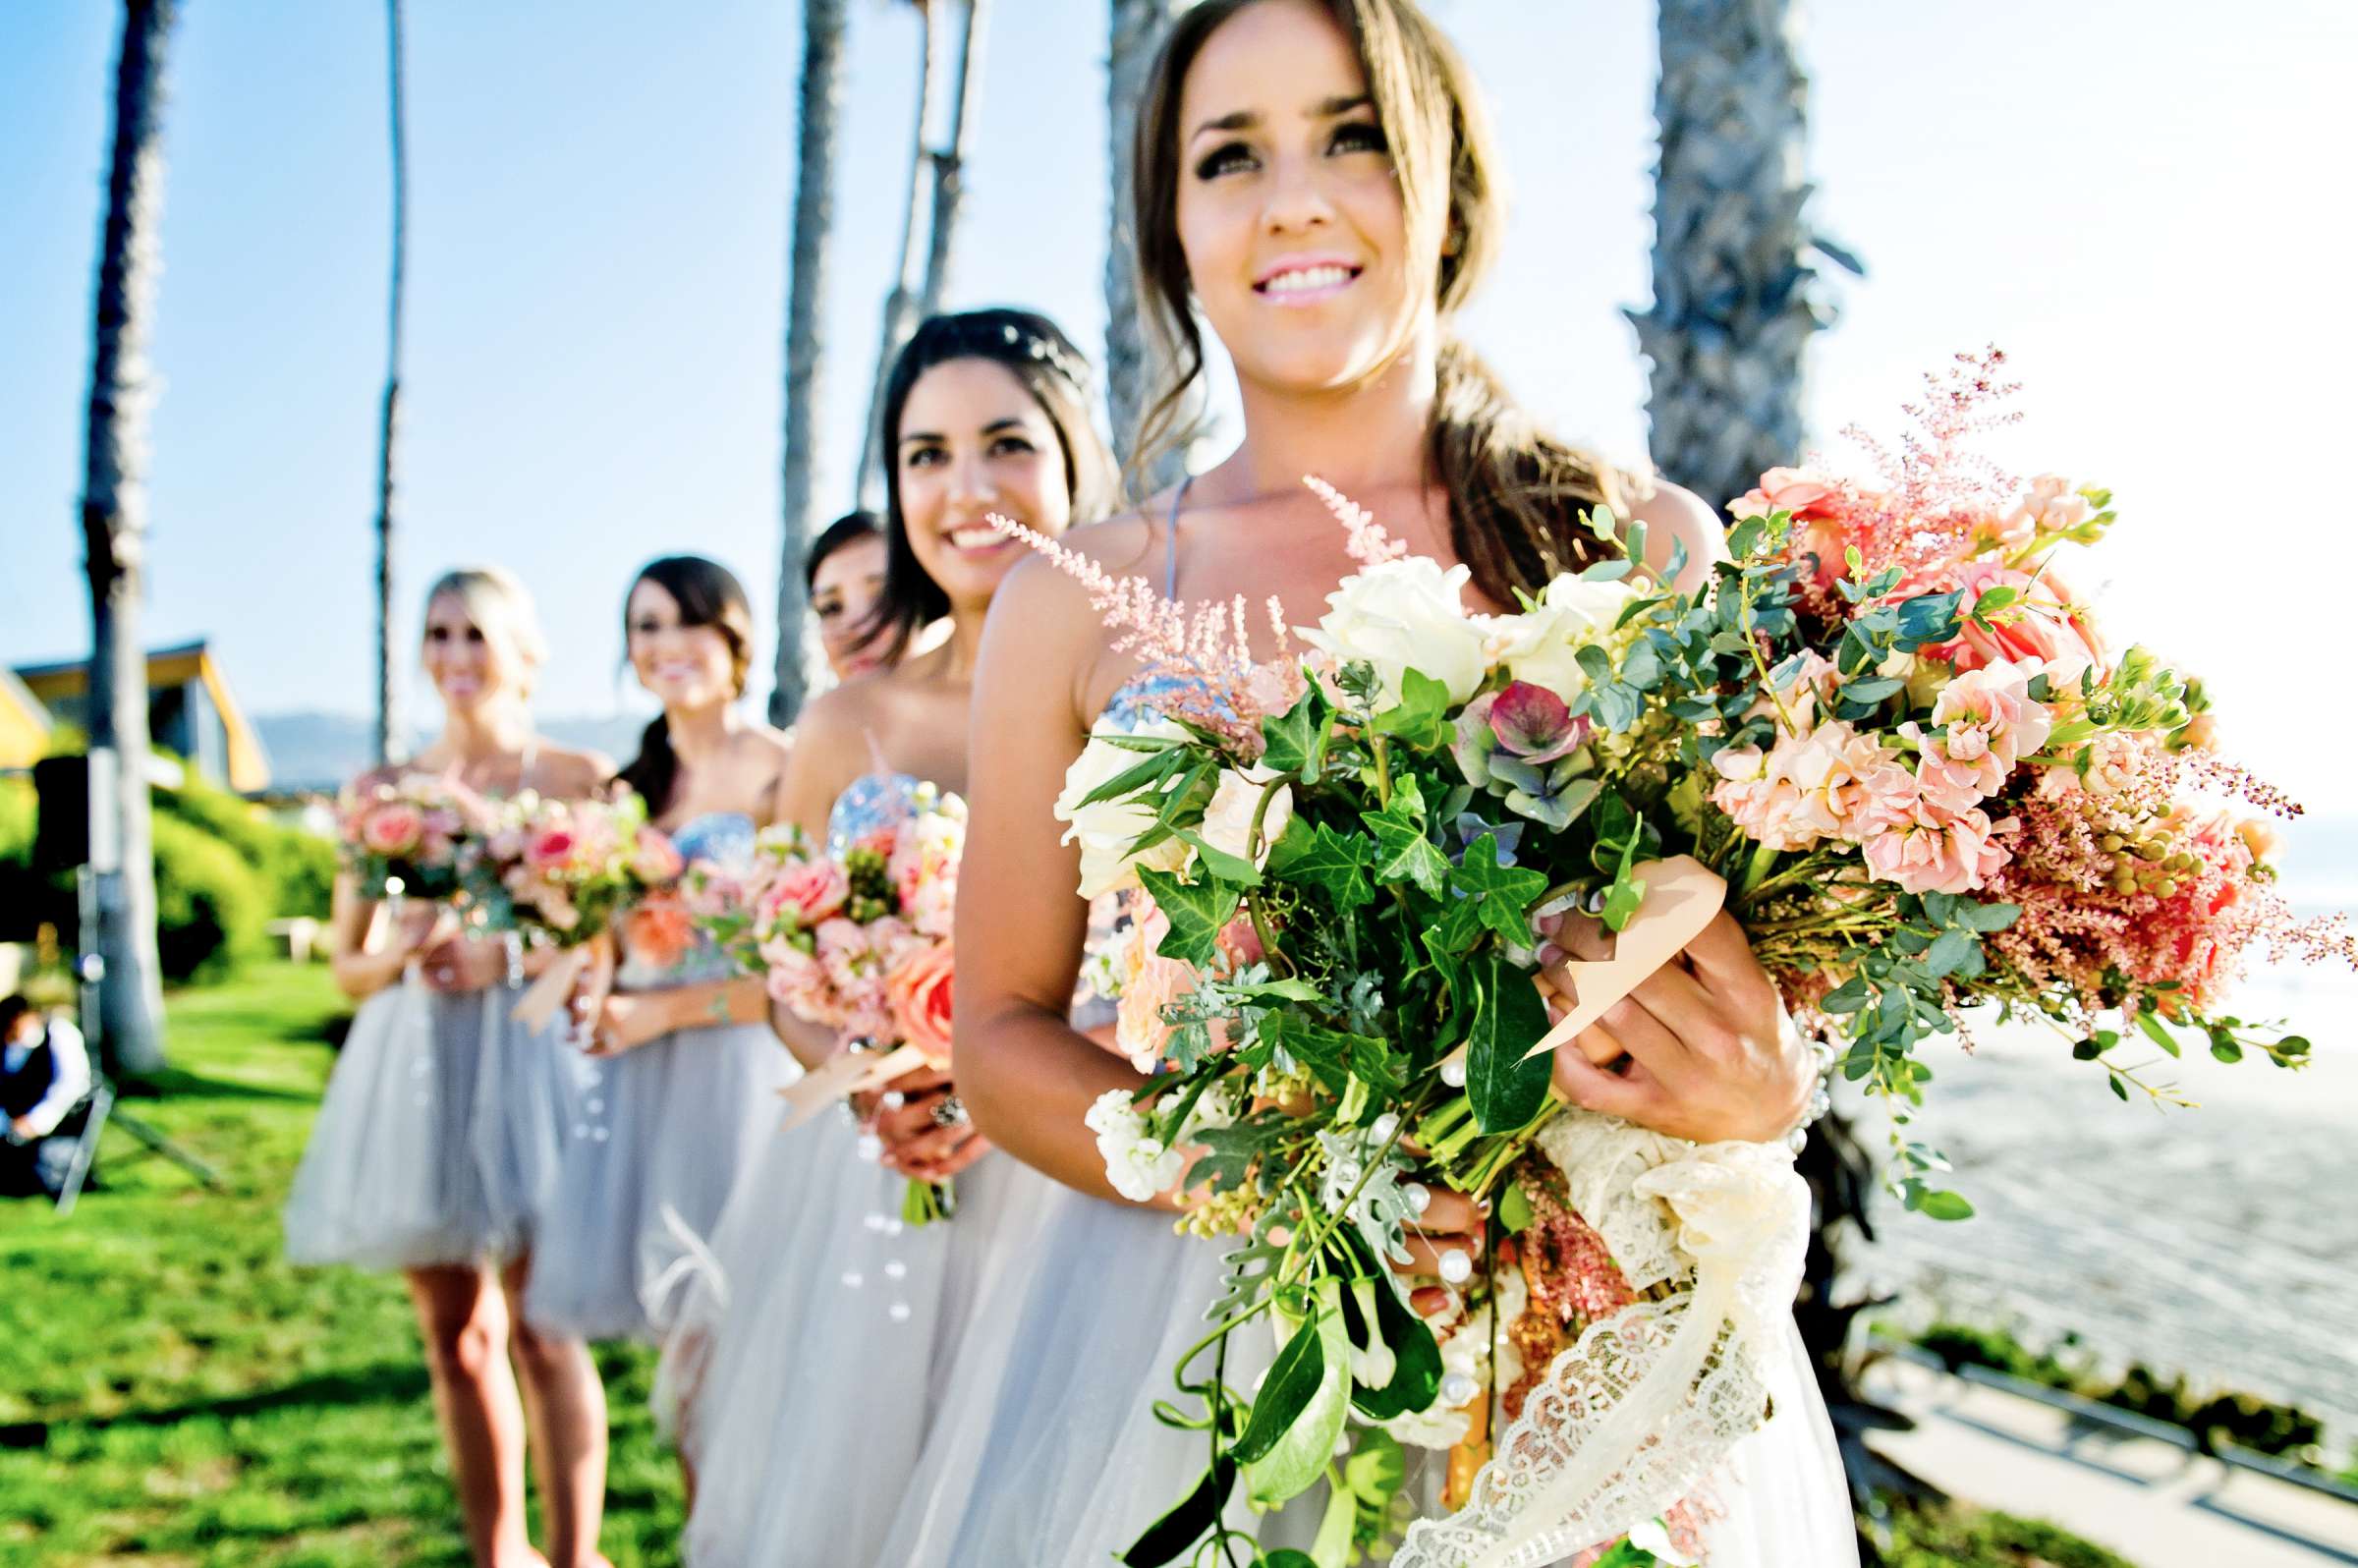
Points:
x=2152 y=1502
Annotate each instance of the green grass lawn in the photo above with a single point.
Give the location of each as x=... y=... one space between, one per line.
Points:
x=171 y=1390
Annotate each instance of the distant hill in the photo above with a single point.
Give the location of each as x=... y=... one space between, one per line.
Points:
x=319 y=750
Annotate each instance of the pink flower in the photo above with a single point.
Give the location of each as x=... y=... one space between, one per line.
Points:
x=796 y=982
x=917 y=990
x=1832 y=783
x=1989 y=713
x=1533 y=723
x=552 y=848
x=806 y=892
x=655 y=859
x=1786 y=490
x=2114 y=763
x=393 y=828
x=1956 y=856
x=2036 y=627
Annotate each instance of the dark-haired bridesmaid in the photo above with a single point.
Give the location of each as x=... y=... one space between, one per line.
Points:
x=676 y=1082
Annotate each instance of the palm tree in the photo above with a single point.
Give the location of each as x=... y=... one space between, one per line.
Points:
x=948 y=161
x=1736 y=296
x=945 y=100
x=822 y=95
x=1135 y=36
x=114 y=526
x=1736 y=300
x=388 y=745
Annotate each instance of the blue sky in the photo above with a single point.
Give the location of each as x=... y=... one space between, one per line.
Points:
x=2138 y=201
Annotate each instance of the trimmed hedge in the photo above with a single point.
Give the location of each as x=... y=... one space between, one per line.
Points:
x=212 y=908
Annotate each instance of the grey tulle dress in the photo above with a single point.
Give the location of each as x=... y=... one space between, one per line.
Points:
x=653 y=1138
x=437 y=1140
x=810 y=1341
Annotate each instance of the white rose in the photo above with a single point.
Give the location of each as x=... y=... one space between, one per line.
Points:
x=1402 y=615
x=1542 y=645
x=1107 y=830
x=1228 y=819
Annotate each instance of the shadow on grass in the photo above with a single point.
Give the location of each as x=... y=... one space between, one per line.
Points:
x=174 y=1084
x=386 y=1382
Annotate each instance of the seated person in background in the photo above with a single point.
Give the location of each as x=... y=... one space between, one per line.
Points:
x=44 y=1073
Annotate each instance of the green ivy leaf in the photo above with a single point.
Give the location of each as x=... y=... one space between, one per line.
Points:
x=1198 y=912
x=1403 y=852
x=1418 y=718
x=1296 y=740
x=1317 y=854
x=1506 y=1084
x=1498 y=893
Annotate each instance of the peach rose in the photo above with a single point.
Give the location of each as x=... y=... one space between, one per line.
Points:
x=917 y=990
x=659 y=932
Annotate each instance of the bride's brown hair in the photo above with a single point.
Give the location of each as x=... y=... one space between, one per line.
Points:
x=1514 y=494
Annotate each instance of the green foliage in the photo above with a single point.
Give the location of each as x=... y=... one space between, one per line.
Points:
x=212 y=905
x=171 y=1391
x=297 y=867
x=2213 y=1417
x=1952 y=1535
x=28 y=898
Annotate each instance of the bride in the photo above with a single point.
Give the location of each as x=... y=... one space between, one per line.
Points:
x=1315 y=181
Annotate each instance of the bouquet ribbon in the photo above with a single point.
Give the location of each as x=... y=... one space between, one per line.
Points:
x=846 y=1073
x=1682 y=895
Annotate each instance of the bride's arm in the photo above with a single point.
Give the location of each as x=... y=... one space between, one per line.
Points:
x=1027 y=1077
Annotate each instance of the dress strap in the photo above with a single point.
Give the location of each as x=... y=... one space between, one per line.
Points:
x=1170 y=546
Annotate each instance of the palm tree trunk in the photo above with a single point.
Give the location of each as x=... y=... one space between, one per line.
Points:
x=901 y=304
x=114 y=526
x=1736 y=297
x=1135 y=36
x=949 y=159
x=388 y=742
x=821 y=105
x=1736 y=300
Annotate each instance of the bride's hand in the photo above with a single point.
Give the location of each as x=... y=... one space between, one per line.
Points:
x=1697 y=1050
x=1444 y=1247
x=923 y=1128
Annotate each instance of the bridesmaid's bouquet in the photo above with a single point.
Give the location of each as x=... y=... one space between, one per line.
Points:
x=1884 y=735
x=409 y=837
x=562 y=872
x=858 y=942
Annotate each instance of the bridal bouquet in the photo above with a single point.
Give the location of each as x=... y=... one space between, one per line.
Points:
x=409 y=837
x=858 y=942
x=1882 y=734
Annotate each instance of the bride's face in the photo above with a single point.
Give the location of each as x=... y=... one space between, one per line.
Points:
x=973 y=441
x=1288 y=212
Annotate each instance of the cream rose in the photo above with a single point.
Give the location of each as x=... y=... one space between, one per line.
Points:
x=1228 y=819
x=1544 y=643
x=1402 y=615
x=1107 y=829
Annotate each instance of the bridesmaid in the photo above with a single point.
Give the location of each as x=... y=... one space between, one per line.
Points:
x=843 y=575
x=1315 y=182
x=437 y=1134
x=842 y=1323
x=676 y=1082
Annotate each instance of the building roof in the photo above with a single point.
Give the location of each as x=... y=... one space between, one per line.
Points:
x=178 y=665
x=24 y=725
